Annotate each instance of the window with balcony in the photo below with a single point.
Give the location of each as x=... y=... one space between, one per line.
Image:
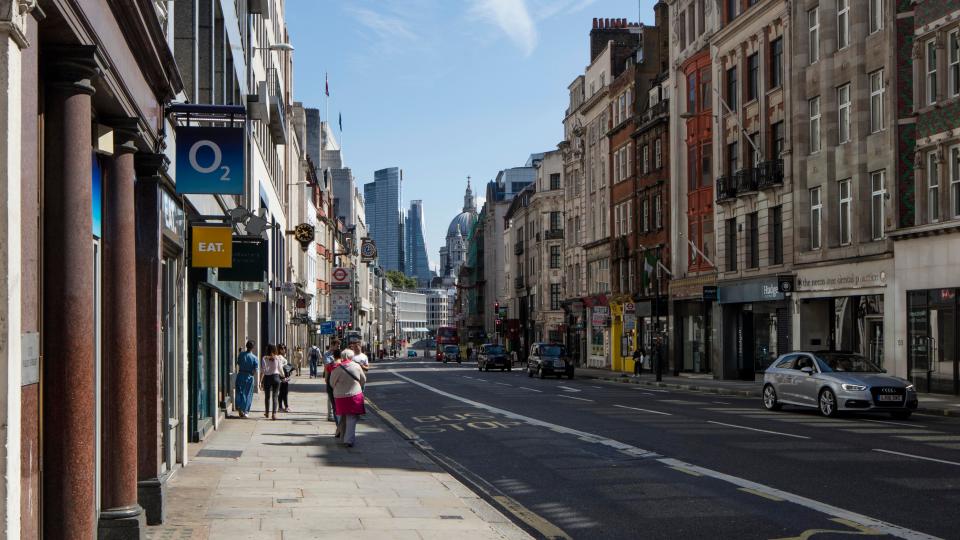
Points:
x=876 y=101
x=814 y=108
x=933 y=187
x=813 y=33
x=733 y=156
x=816 y=213
x=657 y=154
x=843 y=24
x=754 y=150
x=953 y=59
x=776 y=139
x=775 y=225
x=753 y=240
x=731 y=244
x=555 y=221
x=875 y=9
x=753 y=76
x=878 y=194
x=845 y=213
x=705 y=97
x=776 y=63
x=843 y=114
x=732 y=89
x=931 y=71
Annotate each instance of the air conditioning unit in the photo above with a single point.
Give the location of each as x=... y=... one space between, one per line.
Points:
x=259 y=7
x=257 y=107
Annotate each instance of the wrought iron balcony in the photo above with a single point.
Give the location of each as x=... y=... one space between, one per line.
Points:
x=518 y=248
x=726 y=189
x=656 y=112
x=745 y=180
x=553 y=234
x=770 y=174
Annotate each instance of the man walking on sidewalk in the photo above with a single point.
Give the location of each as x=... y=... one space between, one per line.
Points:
x=330 y=361
x=313 y=356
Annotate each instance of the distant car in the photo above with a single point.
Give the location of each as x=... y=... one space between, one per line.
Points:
x=833 y=382
x=493 y=356
x=549 y=359
x=449 y=353
x=411 y=353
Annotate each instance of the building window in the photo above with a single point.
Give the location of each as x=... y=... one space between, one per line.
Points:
x=776 y=235
x=731 y=231
x=933 y=188
x=706 y=98
x=683 y=29
x=754 y=150
x=555 y=181
x=555 y=221
x=554 y=296
x=753 y=240
x=657 y=154
x=877 y=195
x=776 y=135
x=733 y=154
x=843 y=24
x=843 y=114
x=953 y=57
x=657 y=212
x=646 y=159
x=631 y=273
x=846 y=211
x=692 y=167
x=813 y=23
x=645 y=215
x=814 y=105
x=554 y=256
x=692 y=93
x=876 y=101
x=629 y=217
x=753 y=74
x=816 y=209
x=776 y=63
x=732 y=6
x=876 y=15
x=931 y=71
x=955 y=181
x=732 y=88
x=706 y=171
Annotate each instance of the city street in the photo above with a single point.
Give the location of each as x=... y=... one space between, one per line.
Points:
x=591 y=459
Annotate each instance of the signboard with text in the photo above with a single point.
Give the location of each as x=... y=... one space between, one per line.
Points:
x=342 y=278
x=211 y=247
x=210 y=160
x=249 y=261
x=340 y=306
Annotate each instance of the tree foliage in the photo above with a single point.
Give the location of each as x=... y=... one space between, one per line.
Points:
x=399 y=280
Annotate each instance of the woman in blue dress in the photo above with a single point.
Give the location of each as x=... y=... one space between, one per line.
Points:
x=247 y=366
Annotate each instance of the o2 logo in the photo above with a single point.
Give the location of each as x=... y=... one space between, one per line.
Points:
x=210 y=160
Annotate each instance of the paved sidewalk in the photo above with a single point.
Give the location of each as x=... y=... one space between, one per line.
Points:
x=288 y=479
x=940 y=404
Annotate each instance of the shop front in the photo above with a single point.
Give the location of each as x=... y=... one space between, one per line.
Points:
x=695 y=309
x=599 y=351
x=756 y=324
x=842 y=308
x=575 y=330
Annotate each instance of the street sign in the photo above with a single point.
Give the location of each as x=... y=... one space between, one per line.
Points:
x=342 y=278
x=212 y=247
x=328 y=328
x=210 y=160
x=340 y=306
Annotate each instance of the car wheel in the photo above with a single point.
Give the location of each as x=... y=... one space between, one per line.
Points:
x=540 y=373
x=828 y=402
x=770 y=402
x=901 y=415
x=529 y=372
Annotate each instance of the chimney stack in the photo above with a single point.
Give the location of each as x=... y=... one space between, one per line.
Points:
x=594 y=23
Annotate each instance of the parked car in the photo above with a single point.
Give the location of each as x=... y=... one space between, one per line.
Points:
x=549 y=359
x=448 y=353
x=833 y=382
x=493 y=356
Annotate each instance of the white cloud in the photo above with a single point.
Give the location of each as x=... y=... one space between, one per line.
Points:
x=545 y=9
x=512 y=18
x=386 y=27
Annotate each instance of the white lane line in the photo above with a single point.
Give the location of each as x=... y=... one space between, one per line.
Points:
x=592 y=386
x=760 y=430
x=629 y=449
x=569 y=389
x=645 y=389
x=503 y=384
x=530 y=389
x=643 y=410
x=890 y=423
x=917 y=457
x=721 y=403
x=576 y=398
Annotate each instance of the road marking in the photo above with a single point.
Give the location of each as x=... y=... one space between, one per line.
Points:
x=760 y=430
x=917 y=457
x=721 y=403
x=859 y=530
x=686 y=471
x=530 y=389
x=574 y=397
x=569 y=389
x=645 y=389
x=890 y=423
x=931 y=438
x=760 y=494
x=503 y=384
x=824 y=508
x=592 y=386
x=681 y=402
x=643 y=410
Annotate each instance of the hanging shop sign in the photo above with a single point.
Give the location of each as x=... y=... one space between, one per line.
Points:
x=210 y=160
x=342 y=278
x=368 y=250
x=211 y=247
x=249 y=261
x=171 y=218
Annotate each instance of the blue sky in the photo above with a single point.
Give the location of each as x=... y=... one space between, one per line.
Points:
x=444 y=88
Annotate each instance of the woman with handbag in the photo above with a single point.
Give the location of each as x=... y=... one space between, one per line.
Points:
x=270 y=366
x=286 y=372
x=347 y=381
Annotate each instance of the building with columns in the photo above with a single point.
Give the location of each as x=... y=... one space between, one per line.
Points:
x=454 y=253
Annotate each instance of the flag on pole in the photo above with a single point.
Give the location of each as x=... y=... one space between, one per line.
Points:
x=340 y=120
x=649 y=262
x=326 y=83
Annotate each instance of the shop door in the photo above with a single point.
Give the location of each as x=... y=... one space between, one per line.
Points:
x=874 y=341
x=226 y=353
x=746 y=345
x=170 y=369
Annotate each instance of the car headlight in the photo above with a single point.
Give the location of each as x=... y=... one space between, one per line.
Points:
x=853 y=387
x=911 y=388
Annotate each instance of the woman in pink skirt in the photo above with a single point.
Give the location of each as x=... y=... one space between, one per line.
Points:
x=347 y=381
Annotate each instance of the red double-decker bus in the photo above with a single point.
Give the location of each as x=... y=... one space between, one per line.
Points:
x=447 y=336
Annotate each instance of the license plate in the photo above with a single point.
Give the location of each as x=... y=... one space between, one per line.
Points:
x=889 y=398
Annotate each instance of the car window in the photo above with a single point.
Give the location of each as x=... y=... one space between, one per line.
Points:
x=553 y=350
x=788 y=362
x=494 y=349
x=804 y=362
x=535 y=351
x=854 y=363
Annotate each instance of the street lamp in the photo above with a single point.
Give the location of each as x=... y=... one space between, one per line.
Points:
x=279 y=47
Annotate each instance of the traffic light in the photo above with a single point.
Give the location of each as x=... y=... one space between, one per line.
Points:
x=349 y=325
x=496 y=307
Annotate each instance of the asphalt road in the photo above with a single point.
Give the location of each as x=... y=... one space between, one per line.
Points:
x=591 y=459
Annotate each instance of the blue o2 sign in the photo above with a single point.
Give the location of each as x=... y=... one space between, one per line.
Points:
x=210 y=160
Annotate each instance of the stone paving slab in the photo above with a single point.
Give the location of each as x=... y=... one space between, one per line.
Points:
x=293 y=481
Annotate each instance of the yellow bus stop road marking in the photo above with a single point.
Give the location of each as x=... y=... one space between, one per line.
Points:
x=859 y=530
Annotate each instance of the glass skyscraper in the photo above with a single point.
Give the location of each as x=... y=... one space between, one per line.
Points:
x=417 y=263
x=384 y=219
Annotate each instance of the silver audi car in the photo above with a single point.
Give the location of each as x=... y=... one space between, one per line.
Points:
x=834 y=382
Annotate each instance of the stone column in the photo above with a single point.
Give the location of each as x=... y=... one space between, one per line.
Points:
x=69 y=400
x=120 y=515
x=150 y=416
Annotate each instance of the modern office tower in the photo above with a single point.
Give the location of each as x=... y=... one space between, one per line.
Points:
x=384 y=219
x=417 y=263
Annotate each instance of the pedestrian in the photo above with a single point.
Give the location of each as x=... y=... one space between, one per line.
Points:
x=330 y=361
x=658 y=358
x=286 y=372
x=270 y=366
x=247 y=366
x=313 y=357
x=347 y=380
x=638 y=354
x=298 y=359
x=359 y=357
x=469 y=353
